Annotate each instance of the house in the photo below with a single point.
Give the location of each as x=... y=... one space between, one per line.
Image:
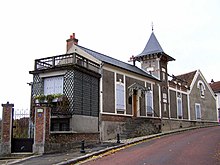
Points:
x=106 y=97
x=216 y=89
x=191 y=98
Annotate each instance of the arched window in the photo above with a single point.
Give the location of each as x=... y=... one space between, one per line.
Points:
x=201 y=87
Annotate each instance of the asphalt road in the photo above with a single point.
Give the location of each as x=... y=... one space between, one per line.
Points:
x=195 y=147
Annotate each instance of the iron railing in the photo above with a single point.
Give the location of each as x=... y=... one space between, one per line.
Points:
x=64 y=60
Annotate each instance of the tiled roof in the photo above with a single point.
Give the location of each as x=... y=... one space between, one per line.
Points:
x=117 y=63
x=153 y=47
x=215 y=86
x=187 y=77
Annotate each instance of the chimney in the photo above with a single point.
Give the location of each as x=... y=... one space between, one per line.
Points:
x=212 y=81
x=69 y=42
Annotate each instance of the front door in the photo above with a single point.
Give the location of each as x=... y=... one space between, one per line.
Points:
x=136 y=104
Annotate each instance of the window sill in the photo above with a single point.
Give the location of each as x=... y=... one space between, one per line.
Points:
x=62 y=132
x=69 y=132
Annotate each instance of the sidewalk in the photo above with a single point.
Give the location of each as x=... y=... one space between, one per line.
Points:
x=74 y=156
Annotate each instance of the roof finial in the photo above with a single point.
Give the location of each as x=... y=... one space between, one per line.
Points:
x=152 y=25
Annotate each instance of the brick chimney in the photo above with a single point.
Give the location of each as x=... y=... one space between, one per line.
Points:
x=69 y=42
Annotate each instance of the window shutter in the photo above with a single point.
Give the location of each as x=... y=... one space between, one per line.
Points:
x=58 y=85
x=120 y=96
x=149 y=102
x=198 y=111
x=48 y=86
x=179 y=107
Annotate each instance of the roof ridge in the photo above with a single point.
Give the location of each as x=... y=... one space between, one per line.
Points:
x=115 y=62
x=107 y=56
x=214 y=82
x=186 y=73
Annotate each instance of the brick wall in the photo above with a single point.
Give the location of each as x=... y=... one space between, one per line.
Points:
x=6 y=133
x=59 y=142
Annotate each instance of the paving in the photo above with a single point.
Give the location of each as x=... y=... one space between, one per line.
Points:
x=75 y=155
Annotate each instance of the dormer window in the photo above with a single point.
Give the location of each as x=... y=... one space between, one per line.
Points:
x=201 y=88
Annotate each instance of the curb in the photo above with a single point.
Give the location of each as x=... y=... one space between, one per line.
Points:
x=139 y=139
x=23 y=159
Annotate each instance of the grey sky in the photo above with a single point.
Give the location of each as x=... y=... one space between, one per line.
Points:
x=187 y=30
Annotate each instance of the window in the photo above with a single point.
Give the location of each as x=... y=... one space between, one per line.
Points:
x=53 y=85
x=149 y=102
x=201 y=87
x=164 y=98
x=202 y=90
x=179 y=106
x=198 y=111
x=60 y=124
x=120 y=96
x=219 y=115
x=163 y=74
x=164 y=102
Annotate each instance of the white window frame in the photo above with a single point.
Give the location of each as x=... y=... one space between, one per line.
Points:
x=149 y=93
x=179 y=107
x=200 y=113
x=53 y=85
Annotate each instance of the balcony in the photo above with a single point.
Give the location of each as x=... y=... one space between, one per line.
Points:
x=65 y=60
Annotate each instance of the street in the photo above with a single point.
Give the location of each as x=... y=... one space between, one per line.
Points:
x=195 y=147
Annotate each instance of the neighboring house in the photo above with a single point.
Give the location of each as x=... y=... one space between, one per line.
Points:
x=108 y=96
x=216 y=89
x=193 y=97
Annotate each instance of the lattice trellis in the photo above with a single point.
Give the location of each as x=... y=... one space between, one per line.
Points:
x=68 y=87
x=37 y=87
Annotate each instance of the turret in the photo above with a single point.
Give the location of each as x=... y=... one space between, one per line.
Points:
x=154 y=60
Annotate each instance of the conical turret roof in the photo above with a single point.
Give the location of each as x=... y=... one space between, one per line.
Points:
x=153 y=47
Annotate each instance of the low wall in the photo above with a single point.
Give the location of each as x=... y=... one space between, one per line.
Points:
x=63 y=141
x=82 y=124
x=127 y=126
x=111 y=125
x=172 y=124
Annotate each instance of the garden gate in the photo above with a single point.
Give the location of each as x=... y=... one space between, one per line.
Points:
x=22 y=131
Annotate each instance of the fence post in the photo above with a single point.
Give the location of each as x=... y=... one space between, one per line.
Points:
x=6 y=134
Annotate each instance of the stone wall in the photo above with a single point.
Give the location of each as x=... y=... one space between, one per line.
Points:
x=172 y=124
x=127 y=126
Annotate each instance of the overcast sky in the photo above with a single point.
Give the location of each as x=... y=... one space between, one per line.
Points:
x=188 y=30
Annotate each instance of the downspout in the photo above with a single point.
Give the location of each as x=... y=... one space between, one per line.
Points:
x=100 y=103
